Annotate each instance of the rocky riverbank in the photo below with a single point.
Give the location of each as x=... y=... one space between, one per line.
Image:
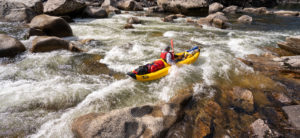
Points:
x=260 y=103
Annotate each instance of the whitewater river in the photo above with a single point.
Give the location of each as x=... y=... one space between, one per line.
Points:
x=41 y=93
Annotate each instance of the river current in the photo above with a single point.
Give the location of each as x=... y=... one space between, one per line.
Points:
x=41 y=93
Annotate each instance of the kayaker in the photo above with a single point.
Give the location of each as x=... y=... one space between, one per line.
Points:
x=168 y=56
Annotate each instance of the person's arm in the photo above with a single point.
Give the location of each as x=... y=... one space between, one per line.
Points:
x=169 y=59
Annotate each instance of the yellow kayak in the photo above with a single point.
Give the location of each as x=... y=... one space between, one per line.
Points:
x=189 y=59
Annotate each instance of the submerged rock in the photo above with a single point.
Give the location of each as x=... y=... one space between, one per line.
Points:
x=293 y=113
x=245 y=19
x=292 y=44
x=49 y=25
x=143 y=121
x=9 y=46
x=12 y=11
x=282 y=98
x=95 y=12
x=242 y=98
x=215 y=7
x=63 y=7
x=47 y=44
x=260 y=129
x=187 y=7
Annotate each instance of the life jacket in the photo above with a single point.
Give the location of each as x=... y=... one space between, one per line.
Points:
x=163 y=55
x=157 y=65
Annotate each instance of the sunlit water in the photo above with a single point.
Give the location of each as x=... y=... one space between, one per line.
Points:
x=41 y=93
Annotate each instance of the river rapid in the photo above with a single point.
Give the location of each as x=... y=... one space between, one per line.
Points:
x=41 y=93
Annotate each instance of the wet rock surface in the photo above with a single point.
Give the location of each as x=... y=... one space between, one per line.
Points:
x=10 y=47
x=47 y=44
x=50 y=25
x=145 y=121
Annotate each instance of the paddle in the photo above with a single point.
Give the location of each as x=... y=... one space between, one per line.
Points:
x=172 y=47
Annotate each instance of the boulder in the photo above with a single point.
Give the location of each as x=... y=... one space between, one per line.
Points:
x=128 y=26
x=292 y=44
x=128 y=5
x=50 y=25
x=95 y=12
x=260 y=129
x=245 y=19
x=169 y=18
x=187 y=7
x=142 y=121
x=63 y=7
x=292 y=62
x=242 y=98
x=261 y=10
x=156 y=9
x=35 y=5
x=111 y=10
x=9 y=46
x=47 y=44
x=133 y=20
x=15 y=11
x=286 y=13
x=231 y=9
x=293 y=113
x=217 y=20
x=215 y=7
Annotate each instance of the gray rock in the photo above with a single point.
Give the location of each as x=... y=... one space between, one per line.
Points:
x=15 y=12
x=260 y=129
x=35 y=5
x=231 y=9
x=47 y=44
x=143 y=121
x=50 y=25
x=187 y=7
x=292 y=44
x=245 y=19
x=63 y=7
x=9 y=46
x=95 y=12
x=293 y=113
x=215 y=7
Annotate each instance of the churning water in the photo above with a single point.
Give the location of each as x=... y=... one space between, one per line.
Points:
x=41 y=93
